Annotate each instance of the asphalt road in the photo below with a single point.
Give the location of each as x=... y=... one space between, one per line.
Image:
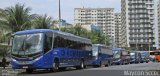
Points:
x=114 y=70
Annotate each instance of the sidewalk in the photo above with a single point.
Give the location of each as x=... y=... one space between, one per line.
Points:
x=8 y=71
x=6 y=68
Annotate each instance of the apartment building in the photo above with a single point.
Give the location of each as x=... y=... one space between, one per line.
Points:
x=158 y=12
x=138 y=24
x=118 y=29
x=103 y=17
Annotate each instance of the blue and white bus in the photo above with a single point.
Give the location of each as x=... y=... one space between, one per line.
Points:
x=145 y=56
x=49 y=49
x=102 y=55
x=121 y=56
x=136 y=57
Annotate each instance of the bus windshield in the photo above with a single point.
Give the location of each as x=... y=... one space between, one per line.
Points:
x=117 y=54
x=95 y=50
x=27 y=44
x=132 y=55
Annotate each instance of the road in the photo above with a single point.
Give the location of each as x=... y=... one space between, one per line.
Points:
x=114 y=70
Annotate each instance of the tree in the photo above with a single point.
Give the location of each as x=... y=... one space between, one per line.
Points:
x=3 y=36
x=42 y=22
x=80 y=31
x=96 y=37
x=15 y=18
x=76 y=30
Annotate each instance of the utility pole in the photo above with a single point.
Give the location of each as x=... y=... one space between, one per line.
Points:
x=149 y=48
x=59 y=15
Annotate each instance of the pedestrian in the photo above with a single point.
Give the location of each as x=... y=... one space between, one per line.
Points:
x=4 y=62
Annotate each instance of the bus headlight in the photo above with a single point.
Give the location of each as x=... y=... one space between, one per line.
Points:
x=14 y=60
x=96 y=58
x=38 y=58
x=119 y=60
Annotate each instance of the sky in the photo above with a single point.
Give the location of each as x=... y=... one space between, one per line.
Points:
x=50 y=7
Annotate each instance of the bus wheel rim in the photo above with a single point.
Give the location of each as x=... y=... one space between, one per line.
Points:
x=82 y=65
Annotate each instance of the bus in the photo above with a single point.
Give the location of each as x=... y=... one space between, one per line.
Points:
x=120 y=56
x=135 y=57
x=155 y=55
x=145 y=56
x=49 y=49
x=102 y=55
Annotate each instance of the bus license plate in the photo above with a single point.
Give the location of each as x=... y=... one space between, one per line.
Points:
x=25 y=67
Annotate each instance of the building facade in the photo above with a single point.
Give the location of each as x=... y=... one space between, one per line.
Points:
x=103 y=17
x=92 y=27
x=138 y=24
x=118 y=29
x=158 y=12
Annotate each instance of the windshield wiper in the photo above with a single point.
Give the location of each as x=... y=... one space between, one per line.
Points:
x=22 y=47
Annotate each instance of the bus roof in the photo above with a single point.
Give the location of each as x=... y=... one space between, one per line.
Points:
x=65 y=34
x=117 y=49
x=99 y=44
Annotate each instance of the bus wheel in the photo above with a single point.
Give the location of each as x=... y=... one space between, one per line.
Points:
x=56 y=65
x=100 y=64
x=29 y=70
x=108 y=64
x=81 y=65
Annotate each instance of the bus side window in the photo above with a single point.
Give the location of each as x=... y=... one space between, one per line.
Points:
x=63 y=52
x=48 y=43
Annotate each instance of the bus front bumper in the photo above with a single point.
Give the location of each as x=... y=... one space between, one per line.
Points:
x=39 y=64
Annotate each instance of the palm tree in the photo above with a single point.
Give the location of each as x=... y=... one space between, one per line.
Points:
x=96 y=37
x=42 y=22
x=80 y=31
x=76 y=30
x=15 y=18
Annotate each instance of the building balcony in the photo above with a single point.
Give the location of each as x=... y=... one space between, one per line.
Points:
x=136 y=3
x=138 y=23
x=137 y=43
x=141 y=38
x=138 y=28
x=140 y=32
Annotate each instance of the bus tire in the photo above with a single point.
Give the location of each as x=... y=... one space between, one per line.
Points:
x=56 y=63
x=29 y=71
x=100 y=64
x=82 y=66
x=108 y=64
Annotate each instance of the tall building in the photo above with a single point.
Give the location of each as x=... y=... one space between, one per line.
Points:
x=158 y=11
x=138 y=24
x=103 y=17
x=118 y=29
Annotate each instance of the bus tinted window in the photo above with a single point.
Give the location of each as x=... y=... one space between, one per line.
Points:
x=154 y=53
x=48 y=42
x=65 y=43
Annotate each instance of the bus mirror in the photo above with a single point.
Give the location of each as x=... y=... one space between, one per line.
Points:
x=10 y=40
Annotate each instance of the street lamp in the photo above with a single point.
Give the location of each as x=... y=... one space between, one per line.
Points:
x=59 y=15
